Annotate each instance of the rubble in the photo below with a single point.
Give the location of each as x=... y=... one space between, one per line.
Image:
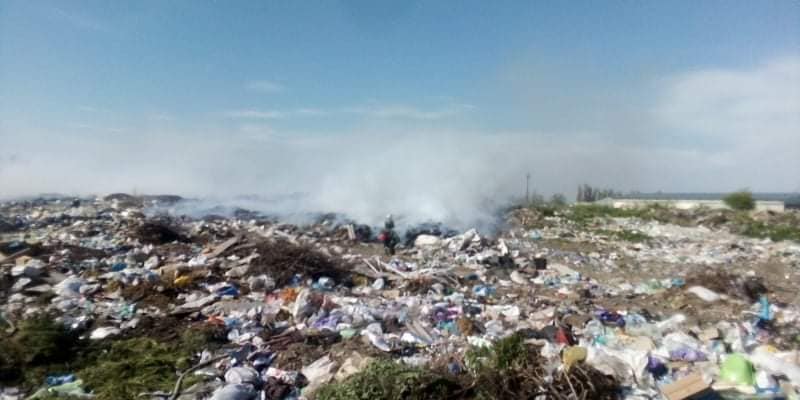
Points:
x=103 y=298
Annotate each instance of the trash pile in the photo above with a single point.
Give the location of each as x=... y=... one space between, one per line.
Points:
x=103 y=298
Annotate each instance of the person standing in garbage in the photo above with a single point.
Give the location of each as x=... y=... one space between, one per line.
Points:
x=387 y=236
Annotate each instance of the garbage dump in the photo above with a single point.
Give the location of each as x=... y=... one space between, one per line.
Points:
x=99 y=298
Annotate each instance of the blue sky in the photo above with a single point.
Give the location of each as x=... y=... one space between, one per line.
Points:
x=627 y=94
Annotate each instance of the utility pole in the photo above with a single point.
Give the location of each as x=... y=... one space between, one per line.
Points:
x=528 y=188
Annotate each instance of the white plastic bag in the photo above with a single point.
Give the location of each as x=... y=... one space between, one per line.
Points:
x=236 y=391
x=703 y=293
x=242 y=375
x=318 y=373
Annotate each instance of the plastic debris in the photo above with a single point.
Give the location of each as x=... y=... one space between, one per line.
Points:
x=242 y=375
x=573 y=355
x=737 y=369
x=281 y=310
x=56 y=380
x=104 y=332
x=234 y=391
x=703 y=293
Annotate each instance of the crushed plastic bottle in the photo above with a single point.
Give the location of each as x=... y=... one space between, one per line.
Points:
x=483 y=290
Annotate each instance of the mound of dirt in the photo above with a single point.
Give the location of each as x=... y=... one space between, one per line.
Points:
x=149 y=295
x=741 y=287
x=158 y=232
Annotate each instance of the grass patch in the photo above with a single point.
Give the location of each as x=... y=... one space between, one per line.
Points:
x=780 y=227
x=625 y=235
x=505 y=354
x=583 y=214
x=113 y=370
x=39 y=346
x=389 y=380
x=516 y=370
x=511 y=369
x=776 y=232
x=125 y=368
x=129 y=367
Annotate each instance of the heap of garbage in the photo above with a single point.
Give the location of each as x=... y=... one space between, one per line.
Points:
x=104 y=298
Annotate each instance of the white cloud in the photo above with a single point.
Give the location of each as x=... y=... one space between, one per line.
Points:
x=95 y=128
x=160 y=117
x=724 y=102
x=256 y=114
x=265 y=86
x=408 y=112
x=79 y=21
x=368 y=111
x=309 y=112
x=258 y=132
x=748 y=120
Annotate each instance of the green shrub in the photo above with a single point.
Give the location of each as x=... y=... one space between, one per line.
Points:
x=741 y=200
x=504 y=354
x=128 y=367
x=508 y=369
x=38 y=343
x=775 y=232
x=133 y=366
x=113 y=369
x=390 y=381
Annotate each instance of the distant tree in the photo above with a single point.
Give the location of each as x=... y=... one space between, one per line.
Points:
x=604 y=193
x=536 y=199
x=587 y=193
x=741 y=200
x=558 y=199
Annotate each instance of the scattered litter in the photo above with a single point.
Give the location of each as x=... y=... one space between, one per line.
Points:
x=248 y=307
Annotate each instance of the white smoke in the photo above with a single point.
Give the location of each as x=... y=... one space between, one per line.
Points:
x=732 y=129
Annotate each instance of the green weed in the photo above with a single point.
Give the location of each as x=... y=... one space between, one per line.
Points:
x=741 y=200
x=113 y=370
x=390 y=381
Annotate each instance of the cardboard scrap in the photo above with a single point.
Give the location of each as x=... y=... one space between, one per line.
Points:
x=691 y=387
x=221 y=248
